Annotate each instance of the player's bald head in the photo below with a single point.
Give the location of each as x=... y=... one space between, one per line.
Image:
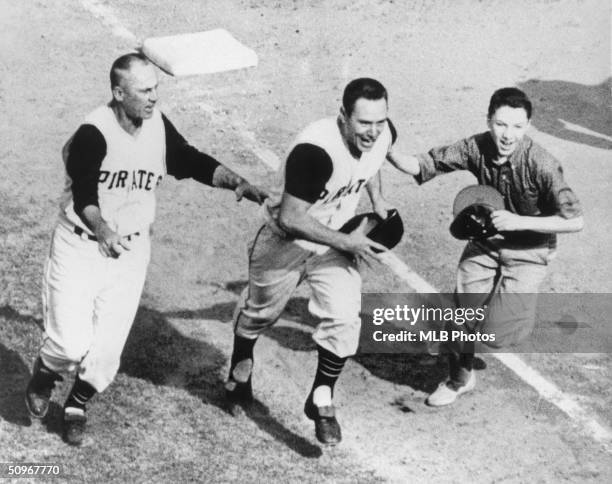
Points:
x=123 y=65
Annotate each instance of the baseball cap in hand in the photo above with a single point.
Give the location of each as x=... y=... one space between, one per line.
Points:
x=472 y=212
x=388 y=231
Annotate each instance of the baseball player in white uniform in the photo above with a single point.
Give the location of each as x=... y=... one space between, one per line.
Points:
x=100 y=248
x=330 y=164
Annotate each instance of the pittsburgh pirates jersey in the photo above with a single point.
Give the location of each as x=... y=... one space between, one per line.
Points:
x=321 y=149
x=118 y=172
x=128 y=175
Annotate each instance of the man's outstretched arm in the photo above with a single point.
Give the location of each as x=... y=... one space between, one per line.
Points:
x=185 y=161
x=504 y=220
x=407 y=163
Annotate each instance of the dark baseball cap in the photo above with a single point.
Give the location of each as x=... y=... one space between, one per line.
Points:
x=388 y=231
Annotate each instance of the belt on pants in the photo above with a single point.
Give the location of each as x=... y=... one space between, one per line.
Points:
x=85 y=236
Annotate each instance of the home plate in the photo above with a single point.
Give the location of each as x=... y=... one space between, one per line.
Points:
x=198 y=53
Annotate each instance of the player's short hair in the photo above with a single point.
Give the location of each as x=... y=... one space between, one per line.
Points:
x=364 y=87
x=510 y=96
x=124 y=63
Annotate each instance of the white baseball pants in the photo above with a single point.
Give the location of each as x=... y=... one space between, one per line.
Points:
x=276 y=266
x=89 y=304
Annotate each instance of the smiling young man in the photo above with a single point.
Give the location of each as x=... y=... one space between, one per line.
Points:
x=97 y=262
x=538 y=204
x=330 y=164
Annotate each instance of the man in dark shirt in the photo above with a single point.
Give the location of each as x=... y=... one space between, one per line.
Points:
x=501 y=272
x=100 y=250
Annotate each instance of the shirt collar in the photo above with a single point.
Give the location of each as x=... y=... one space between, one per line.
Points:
x=513 y=160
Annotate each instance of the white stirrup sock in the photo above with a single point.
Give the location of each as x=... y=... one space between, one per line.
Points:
x=322 y=396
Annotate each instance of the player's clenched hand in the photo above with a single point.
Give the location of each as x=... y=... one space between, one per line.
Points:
x=503 y=220
x=110 y=243
x=361 y=246
x=251 y=192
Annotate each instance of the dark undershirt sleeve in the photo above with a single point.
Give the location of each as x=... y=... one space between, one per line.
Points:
x=185 y=161
x=308 y=169
x=86 y=150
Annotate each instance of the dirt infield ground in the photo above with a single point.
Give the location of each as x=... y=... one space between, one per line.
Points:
x=163 y=420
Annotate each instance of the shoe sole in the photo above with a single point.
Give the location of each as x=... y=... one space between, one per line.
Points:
x=329 y=444
x=74 y=443
x=31 y=412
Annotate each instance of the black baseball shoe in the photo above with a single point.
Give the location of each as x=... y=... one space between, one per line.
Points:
x=74 y=425
x=238 y=388
x=39 y=389
x=327 y=428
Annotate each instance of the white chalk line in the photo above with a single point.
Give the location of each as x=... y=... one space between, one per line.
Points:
x=266 y=155
x=108 y=17
x=582 y=130
x=404 y=272
x=550 y=392
x=546 y=389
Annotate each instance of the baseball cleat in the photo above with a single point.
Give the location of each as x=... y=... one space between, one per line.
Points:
x=448 y=391
x=74 y=425
x=327 y=428
x=238 y=388
x=239 y=392
x=38 y=391
x=37 y=403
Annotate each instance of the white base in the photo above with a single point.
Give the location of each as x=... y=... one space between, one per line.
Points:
x=198 y=53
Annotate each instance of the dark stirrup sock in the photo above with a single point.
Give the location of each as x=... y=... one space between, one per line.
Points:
x=44 y=378
x=243 y=350
x=329 y=368
x=80 y=394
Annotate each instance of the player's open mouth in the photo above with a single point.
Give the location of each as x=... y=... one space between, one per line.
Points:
x=506 y=145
